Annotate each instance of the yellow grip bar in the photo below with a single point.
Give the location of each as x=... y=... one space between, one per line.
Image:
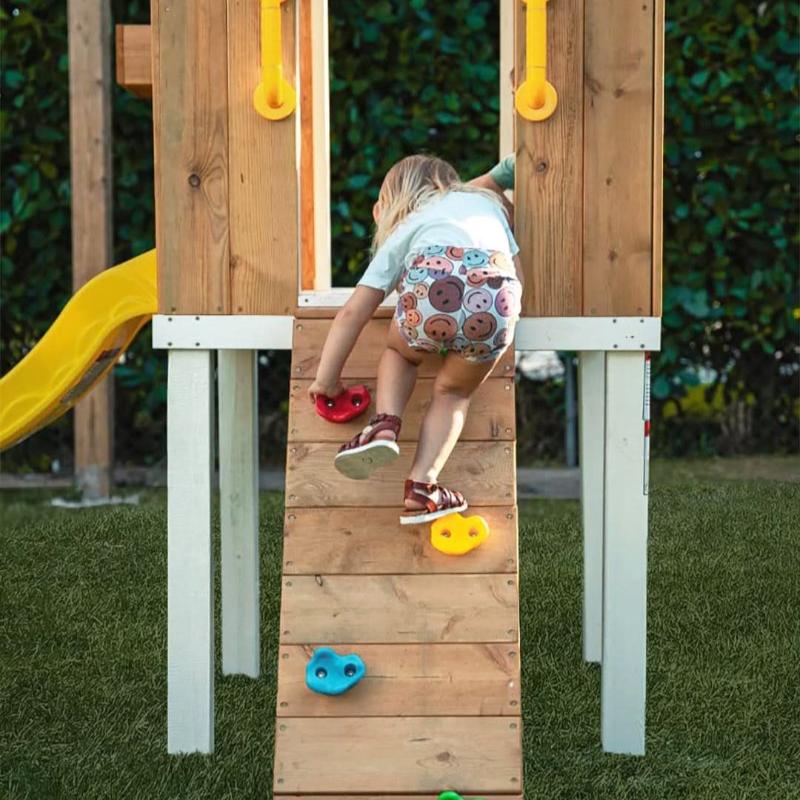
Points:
x=536 y=99
x=274 y=98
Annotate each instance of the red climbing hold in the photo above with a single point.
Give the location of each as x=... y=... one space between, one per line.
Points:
x=350 y=404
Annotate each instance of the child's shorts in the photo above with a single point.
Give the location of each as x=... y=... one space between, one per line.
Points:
x=461 y=300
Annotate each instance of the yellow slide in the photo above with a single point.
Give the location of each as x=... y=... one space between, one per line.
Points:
x=81 y=346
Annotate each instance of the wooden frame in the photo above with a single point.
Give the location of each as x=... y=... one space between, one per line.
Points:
x=89 y=24
x=176 y=332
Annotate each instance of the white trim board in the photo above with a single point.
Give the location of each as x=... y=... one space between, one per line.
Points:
x=218 y=332
x=588 y=333
x=256 y=332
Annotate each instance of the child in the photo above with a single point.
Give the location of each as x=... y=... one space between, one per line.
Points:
x=449 y=251
x=499 y=178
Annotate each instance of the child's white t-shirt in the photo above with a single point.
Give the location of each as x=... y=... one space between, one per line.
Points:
x=456 y=219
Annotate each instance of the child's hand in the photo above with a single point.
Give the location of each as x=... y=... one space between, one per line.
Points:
x=326 y=389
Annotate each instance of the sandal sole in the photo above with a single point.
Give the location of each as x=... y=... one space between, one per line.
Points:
x=421 y=519
x=360 y=462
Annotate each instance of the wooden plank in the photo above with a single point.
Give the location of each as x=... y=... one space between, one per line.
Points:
x=483 y=471
x=263 y=186
x=363 y=361
x=491 y=416
x=385 y=755
x=507 y=74
x=618 y=159
x=306 y=109
x=434 y=796
x=549 y=171
x=238 y=490
x=592 y=400
x=190 y=131
x=658 y=156
x=409 y=680
x=391 y=609
x=623 y=679
x=316 y=541
x=190 y=565
x=134 y=59
x=329 y=312
x=89 y=24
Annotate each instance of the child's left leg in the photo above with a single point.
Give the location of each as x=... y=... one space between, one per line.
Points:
x=452 y=391
x=453 y=388
x=376 y=446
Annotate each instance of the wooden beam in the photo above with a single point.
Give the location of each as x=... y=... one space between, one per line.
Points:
x=306 y=110
x=618 y=159
x=89 y=24
x=658 y=156
x=190 y=132
x=549 y=171
x=133 y=61
x=263 y=186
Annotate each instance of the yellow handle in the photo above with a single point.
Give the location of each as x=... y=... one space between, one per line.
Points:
x=274 y=98
x=536 y=99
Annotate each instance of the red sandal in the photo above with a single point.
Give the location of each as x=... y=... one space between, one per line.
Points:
x=448 y=502
x=363 y=454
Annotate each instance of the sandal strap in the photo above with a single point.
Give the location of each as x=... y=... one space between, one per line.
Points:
x=376 y=424
x=423 y=493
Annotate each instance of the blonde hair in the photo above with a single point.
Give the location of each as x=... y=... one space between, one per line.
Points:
x=410 y=184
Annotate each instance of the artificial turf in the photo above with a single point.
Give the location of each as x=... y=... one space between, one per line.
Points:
x=83 y=653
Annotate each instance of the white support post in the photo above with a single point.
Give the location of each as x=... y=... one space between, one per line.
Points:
x=238 y=484
x=624 y=556
x=592 y=400
x=190 y=573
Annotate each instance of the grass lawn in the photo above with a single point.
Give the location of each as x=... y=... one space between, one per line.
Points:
x=83 y=654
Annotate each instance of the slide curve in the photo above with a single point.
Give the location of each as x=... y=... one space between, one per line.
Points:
x=81 y=346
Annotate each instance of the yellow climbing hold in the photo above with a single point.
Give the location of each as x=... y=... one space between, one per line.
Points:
x=455 y=535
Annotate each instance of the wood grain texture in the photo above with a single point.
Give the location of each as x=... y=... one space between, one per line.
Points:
x=306 y=109
x=363 y=361
x=412 y=754
x=134 y=59
x=316 y=541
x=377 y=609
x=434 y=796
x=263 y=173
x=491 y=415
x=387 y=797
x=190 y=130
x=618 y=159
x=483 y=471
x=658 y=156
x=549 y=171
x=408 y=680
x=90 y=79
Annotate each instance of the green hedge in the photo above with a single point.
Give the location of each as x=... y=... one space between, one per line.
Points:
x=421 y=75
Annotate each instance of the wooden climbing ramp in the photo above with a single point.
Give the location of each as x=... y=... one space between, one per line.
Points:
x=439 y=708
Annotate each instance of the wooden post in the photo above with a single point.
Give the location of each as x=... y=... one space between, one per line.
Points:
x=622 y=687
x=592 y=400
x=238 y=489
x=190 y=567
x=90 y=79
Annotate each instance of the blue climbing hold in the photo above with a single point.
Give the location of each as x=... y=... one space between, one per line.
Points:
x=329 y=673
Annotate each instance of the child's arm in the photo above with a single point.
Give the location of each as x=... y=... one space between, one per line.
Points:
x=486 y=181
x=345 y=330
x=498 y=179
